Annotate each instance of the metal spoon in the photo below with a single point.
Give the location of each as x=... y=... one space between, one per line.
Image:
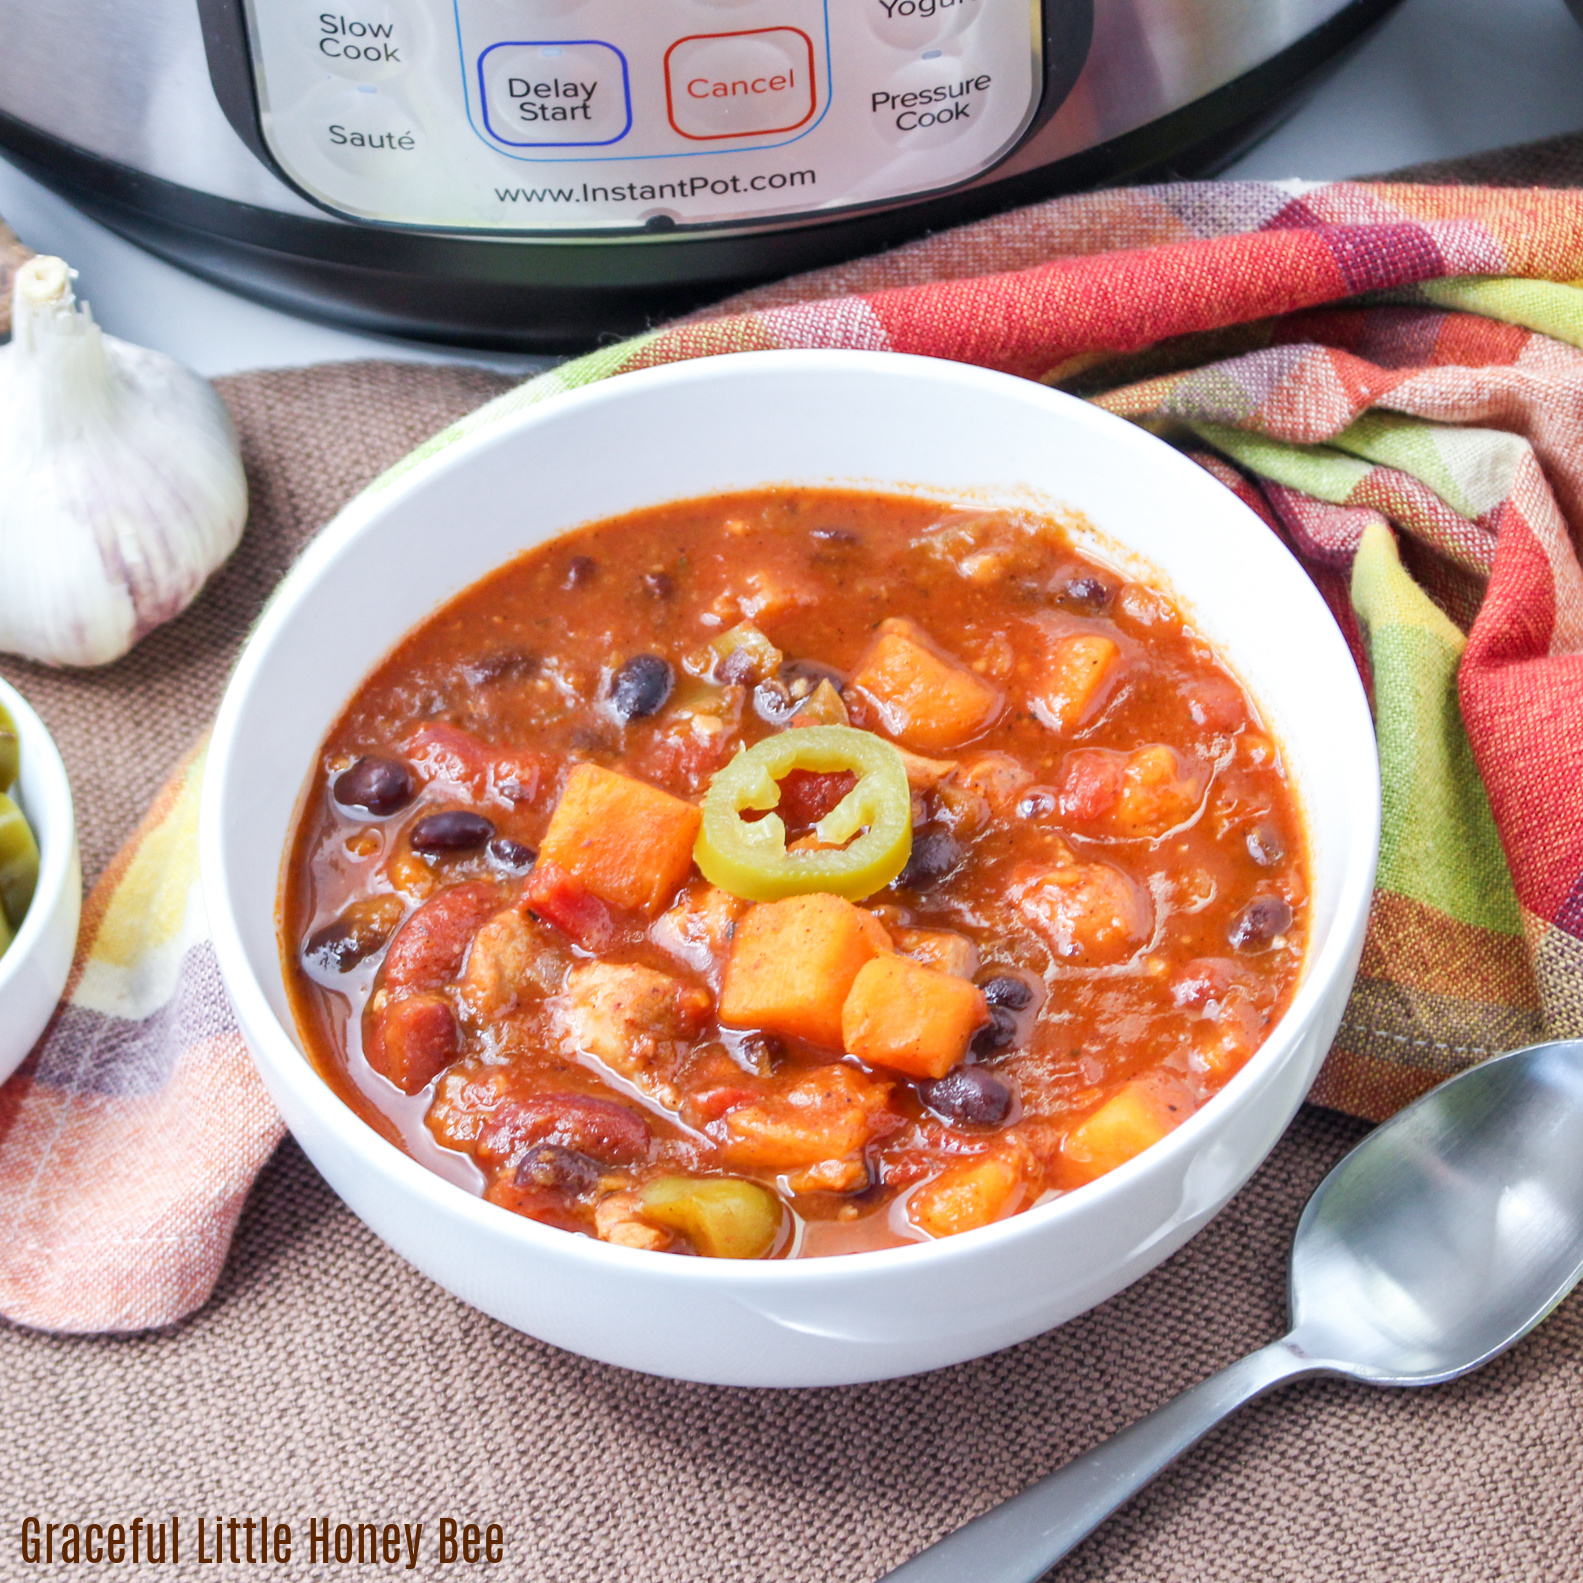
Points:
x=1437 y=1243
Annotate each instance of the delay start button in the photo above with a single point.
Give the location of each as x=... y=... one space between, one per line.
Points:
x=930 y=102
x=544 y=93
x=745 y=84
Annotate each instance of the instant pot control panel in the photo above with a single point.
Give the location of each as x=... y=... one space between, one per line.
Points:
x=640 y=115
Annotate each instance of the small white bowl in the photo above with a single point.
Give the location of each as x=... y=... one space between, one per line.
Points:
x=907 y=424
x=34 y=968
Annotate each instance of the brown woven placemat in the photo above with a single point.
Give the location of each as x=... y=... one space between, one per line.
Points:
x=327 y=1379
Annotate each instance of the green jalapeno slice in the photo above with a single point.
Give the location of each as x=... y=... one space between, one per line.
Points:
x=18 y=862
x=750 y=859
x=10 y=750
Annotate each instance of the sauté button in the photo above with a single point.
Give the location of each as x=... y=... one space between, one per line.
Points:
x=545 y=93
x=740 y=84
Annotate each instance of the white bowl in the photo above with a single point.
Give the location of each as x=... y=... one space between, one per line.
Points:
x=689 y=429
x=33 y=970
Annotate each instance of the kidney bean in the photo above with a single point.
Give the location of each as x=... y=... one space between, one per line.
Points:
x=558 y=1169
x=935 y=853
x=968 y=1094
x=1005 y=989
x=659 y=585
x=413 y=1040
x=511 y=855
x=1265 y=846
x=380 y=786
x=456 y=830
x=1260 y=922
x=600 y=1128
x=641 y=687
x=999 y=1033
x=431 y=945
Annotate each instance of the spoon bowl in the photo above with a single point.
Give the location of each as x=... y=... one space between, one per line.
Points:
x=1451 y=1231
x=1437 y=1243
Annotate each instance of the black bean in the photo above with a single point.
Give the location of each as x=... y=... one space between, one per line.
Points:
x=509 y=665
x=512 y=855
x=759 y=1052
x=559 y=1169
x=803 y=676
x=641 y=687
x=1265 y=846
x=456 y=830
x=1003 y=989
x=659 y=585
x=968 y=1093
x=379 y=785
x=773 y=702
x=580 y=571
x=1087 y=593
x=335 y=948
x=999 y=1033
x=516 y=791
x=935 y=853
x=1039 y=803
x=1260 y=922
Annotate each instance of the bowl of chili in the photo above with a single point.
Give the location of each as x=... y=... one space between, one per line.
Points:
x=428 y=942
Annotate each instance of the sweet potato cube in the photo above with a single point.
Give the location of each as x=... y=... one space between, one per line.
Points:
x=627 y=842
x=909 y=1017
x=966 y=1195
x=923 y=698
x=1138 y=1114
x=792 y=963
x=1075 y=671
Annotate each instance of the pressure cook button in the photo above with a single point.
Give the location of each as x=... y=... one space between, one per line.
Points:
x=916 y=24
x=930 y=102
x=740 y=84
x=548 y=94
x=369 y=40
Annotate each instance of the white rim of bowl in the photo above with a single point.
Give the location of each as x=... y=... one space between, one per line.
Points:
x=55 y=846
x=291 y=1066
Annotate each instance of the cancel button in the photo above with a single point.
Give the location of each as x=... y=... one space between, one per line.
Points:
x=930 y=102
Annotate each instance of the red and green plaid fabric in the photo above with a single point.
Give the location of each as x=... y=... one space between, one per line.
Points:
x=1389 y=375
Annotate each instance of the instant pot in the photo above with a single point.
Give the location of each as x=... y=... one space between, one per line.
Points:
x=543 y=174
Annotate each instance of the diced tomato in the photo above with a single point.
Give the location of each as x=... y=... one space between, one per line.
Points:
x=1092 y=783
x=808 y=795
x=479 y=769
x=712 y=1103
x=555 y=896
x=431 y=945
x=412 y=1041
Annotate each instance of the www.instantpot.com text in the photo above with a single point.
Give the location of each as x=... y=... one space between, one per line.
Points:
x=659 y=191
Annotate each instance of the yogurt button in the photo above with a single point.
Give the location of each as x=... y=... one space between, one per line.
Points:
x=369 y=40
x=546 y=94
x=740 y=84
x=916 y=24
x=372 y=135
x=930 y=102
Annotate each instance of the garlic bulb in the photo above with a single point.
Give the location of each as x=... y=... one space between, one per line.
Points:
x=121 y=483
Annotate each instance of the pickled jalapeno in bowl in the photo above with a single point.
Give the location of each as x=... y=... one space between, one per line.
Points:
x=19 y=856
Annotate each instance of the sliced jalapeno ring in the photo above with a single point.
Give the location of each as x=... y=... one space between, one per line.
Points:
x=750 y=859
x=18 y=862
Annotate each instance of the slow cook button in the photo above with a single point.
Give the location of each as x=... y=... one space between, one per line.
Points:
x=544 y=94
x=369 y=134
x=930 y=102
x=369 y=40
x=740 y=84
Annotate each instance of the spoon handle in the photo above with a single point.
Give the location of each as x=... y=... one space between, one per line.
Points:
x=1021 y=1539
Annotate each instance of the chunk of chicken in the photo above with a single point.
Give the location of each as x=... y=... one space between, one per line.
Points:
x=942 y=949
x=509 y=955
x=616 y=1220
x=698 y=929
x=638 y=1022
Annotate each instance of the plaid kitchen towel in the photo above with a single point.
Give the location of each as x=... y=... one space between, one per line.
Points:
x=1389 y=374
